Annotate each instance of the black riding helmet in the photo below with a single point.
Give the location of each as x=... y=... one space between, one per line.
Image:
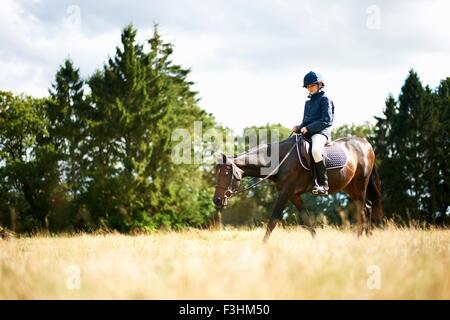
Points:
x=311 y=78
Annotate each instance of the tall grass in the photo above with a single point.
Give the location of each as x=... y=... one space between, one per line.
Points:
x=395 y=263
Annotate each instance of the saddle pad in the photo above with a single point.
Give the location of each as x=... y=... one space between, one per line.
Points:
x=335 y=156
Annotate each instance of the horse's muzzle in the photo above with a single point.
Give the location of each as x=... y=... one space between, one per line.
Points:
x=219 y=202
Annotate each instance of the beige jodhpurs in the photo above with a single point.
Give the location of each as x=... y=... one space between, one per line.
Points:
x=318 y=143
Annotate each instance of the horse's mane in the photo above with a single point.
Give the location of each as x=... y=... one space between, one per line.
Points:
x=259 y=155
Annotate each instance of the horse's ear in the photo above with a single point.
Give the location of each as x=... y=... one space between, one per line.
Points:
x=224 y=159
x=221 y=158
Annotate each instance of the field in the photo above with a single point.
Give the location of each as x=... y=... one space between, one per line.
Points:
x=231 y=264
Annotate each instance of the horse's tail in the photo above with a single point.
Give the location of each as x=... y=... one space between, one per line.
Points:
x=374 y=194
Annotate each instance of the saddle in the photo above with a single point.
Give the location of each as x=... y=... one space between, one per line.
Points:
x=333 y=153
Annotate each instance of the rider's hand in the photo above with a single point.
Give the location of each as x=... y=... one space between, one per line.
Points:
x=303 y=130
x=295 y=129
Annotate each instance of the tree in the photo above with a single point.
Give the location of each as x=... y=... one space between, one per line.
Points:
x=28 y=156
x=67 y=110
x=139 y=97
x=410 y=141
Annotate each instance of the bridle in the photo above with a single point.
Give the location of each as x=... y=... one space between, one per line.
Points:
x=229 y=189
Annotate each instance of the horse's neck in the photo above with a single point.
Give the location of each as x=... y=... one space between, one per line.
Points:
x=253 y=161
x=251 y=170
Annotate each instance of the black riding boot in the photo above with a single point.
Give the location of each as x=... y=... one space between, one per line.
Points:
x=322 y=178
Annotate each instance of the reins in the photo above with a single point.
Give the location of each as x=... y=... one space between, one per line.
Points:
x=270 y=174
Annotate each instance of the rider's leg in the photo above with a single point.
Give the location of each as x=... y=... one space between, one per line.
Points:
x=318 y=143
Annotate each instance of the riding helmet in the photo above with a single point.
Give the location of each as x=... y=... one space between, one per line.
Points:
x=311 y=78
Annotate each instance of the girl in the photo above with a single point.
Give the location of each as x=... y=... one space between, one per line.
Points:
x=317 y=120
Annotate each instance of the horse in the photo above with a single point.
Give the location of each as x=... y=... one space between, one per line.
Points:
x=358 y=178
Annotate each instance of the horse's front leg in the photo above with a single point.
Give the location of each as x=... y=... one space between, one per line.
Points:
x=280 y=204
x=299 y=204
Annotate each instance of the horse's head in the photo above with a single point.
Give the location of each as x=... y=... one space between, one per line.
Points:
x=228 y=179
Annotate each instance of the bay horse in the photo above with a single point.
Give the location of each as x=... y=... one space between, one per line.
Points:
x=358 y=178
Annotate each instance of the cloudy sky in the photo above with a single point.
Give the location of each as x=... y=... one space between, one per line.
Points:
x=247 y=56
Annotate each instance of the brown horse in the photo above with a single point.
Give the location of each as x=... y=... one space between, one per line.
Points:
x=358 y=178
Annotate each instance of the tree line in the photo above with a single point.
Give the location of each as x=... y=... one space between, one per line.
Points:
x=412 y=144
x=96 y=152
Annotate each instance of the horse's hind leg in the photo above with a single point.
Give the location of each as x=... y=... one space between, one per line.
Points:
x=363 y=216
x=298 y=203
x=368 y=213
x=358 y=198
x=360 y=217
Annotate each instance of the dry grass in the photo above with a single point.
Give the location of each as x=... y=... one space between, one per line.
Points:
x=231 y=264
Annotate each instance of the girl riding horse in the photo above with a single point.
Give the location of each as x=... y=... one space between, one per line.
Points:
x=317 y=120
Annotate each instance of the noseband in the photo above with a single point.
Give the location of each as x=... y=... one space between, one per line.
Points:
x=233 y=179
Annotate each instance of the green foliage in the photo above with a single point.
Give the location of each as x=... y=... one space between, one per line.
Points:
x=412 y=144
x=29 y=160
x=364 y=130
x=103 y=160
x=140 y=96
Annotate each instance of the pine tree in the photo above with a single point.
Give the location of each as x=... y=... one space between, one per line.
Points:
x=440 y=169
x=409 y=142
x=67 y=110
x=140 y=96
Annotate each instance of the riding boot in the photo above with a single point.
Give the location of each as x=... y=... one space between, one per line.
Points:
x=322 y=179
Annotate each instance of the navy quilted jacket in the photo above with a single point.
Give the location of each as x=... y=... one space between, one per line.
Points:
x=318 y=115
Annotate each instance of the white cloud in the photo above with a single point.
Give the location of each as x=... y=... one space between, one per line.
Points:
x=247 y=57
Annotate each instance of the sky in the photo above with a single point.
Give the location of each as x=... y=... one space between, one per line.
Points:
x=247 y=57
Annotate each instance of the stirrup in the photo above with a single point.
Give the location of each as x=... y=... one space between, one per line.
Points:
x=319 y=190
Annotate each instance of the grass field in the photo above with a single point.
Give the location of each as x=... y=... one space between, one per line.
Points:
x=230 y=264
